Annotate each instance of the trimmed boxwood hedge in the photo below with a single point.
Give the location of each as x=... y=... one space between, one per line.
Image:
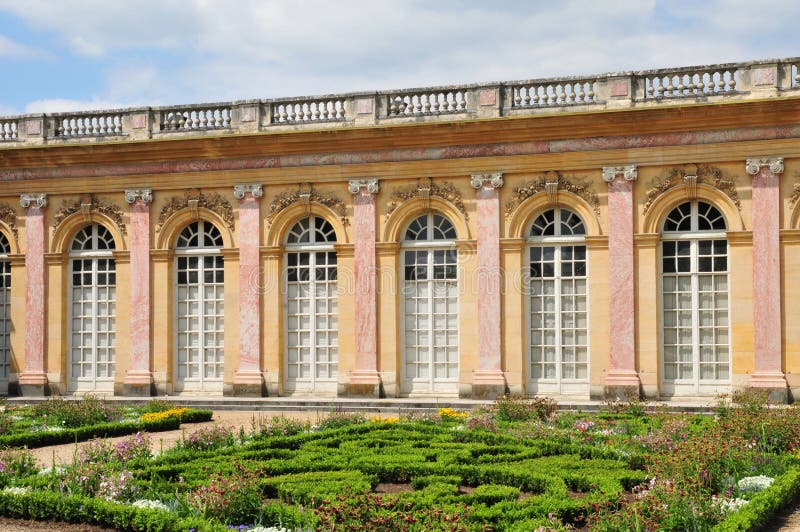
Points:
x=51 y=506
x=763 y=506
x=101 y=430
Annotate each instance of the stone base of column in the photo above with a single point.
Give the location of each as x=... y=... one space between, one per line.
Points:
x=488 y=384
x=774 y=384
x=137 y=384
x=33 y=383
x=622 y=386
x=248 y=384
x=362 y=383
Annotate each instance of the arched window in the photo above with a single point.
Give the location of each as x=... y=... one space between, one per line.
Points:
x=558 y=343
x=430 y=306
x=199 y=309
x=694 y=300
x=312 y=324
x=5 y=313
x=93 y=287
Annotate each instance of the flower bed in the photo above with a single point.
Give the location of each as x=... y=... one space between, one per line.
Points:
x=58 y=421
x=519 y=466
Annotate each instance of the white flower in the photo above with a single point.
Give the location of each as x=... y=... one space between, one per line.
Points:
x=731 y=505
x=153 y=505
x=755 y=484
x=52 y=470
x=16 y=490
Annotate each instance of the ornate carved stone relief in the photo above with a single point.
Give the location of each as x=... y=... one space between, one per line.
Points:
x=691 y=175
x=9 y=217
x=87 y=204
x=424 y=189
x=550 y=183
x=194 y=199
x=795 y=192
x=304 y=195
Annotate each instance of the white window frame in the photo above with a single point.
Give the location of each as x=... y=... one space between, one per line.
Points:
x=559 y=385
x=5 y=320
x=202 y=384
x=412 y=385
x=313 y=384
x=94 y=384
x=696 y=387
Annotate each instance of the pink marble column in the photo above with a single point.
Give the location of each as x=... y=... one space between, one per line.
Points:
x=488 y=379
x=33 y=379
x=364 y=378
x=767 y=276
x=622 y=380
x=139 y=378
x=248 y=380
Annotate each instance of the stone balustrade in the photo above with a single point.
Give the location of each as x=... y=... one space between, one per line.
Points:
x=196 y=118
x=549 y=93
x=8 y=130
x=693 y=85
x=87 y=124
x=311 y=110
x=426 y=102
x=683 y=82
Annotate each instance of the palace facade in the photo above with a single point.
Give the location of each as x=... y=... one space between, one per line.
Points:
x=585 y=237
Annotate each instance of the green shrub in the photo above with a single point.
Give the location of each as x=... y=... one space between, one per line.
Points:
x=755 y=514
x=493 y=493
x=419 y=483
x=76 y=413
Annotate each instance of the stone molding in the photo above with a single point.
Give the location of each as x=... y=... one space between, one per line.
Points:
x=479 y=181
x=355 y=185
x=551 y=183
x=304 y=195
x=145 y=195
x=690 y=175
x=241 y=190
x=424 y=189
x=39 y=200
x=87 y=204
x=194 y=199
x=754 y=165
x=9 y=217
x=611 y=172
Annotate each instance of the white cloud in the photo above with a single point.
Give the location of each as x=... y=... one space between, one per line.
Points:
x=178 y=51
x=14 y=50
x=60 y=105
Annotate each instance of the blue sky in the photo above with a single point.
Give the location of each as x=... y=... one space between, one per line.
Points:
x=63 y=55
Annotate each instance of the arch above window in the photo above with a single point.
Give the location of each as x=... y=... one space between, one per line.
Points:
x=198 y=235
x=311 y=230
x=94 y=237
x=5 y=245
x=430 y=227
x=557 y=222
x=694 y=216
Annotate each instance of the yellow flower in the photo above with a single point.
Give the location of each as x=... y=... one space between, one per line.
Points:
x=449 y=413
x=151 y=417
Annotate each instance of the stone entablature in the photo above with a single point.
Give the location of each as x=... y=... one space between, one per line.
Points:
x=687 y=85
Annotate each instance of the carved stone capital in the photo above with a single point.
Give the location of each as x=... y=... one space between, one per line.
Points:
x=479 y=181
x=145 y=195
x=611 y=172
x=355 y=186
x=38 y=200
x=241 y=190
x=754 y=165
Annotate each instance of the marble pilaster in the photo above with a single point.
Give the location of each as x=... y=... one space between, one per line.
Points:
x=249 y=380
x=488 y=380
x=139 y=377
x=33 y=378
x=622 y=379
x=364 y=379
x=768 y=373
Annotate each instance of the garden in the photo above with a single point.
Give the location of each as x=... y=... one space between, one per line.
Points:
x=518 y=465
